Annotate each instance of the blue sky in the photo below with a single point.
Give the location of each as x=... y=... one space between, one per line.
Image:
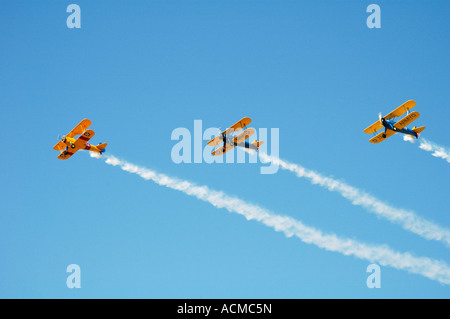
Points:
x=140 y=69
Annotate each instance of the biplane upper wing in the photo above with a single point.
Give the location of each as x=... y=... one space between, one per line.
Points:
x=408 y=105
x=239 y=125
x=243 y=136
x=379 y=138
x=234 y=128
x=80 y=128
x=373 y=128
x=222 y=150
x=407 y=120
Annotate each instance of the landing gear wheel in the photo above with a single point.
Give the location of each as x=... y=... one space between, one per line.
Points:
x=384 y=135
x=72 y=145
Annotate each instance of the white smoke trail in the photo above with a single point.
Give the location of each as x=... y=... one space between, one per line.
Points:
x=407 y=219
x=383 y=255
x=438 y=151
x=94 y=154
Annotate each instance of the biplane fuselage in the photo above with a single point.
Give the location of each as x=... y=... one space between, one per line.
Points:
x=390 y=125
x=232 y=142
x=73 y=145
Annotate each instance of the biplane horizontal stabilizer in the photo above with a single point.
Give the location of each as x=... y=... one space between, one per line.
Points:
x=418 y=129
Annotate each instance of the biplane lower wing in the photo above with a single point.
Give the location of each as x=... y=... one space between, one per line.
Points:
x=407 y=120
x=382 y=136
x=216 y=140
x=234 y=128
x=83 y=138
x=80 y=128
x=66 y=154
x=59 y=146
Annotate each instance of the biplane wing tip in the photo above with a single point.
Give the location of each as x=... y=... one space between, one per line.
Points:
x=408 y=105
x=218 y=151
x=85 y=123
x=373 y=128
x=240 y=124
x=382 y=136
x=63 y=156
x=246 y=120
x=377 y=139
x=215 y=141
x=411 y=103
x=59 y=146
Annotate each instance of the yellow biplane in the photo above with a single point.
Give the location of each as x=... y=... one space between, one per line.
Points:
x=391 y=127
x=230 y=141
x=69 y=145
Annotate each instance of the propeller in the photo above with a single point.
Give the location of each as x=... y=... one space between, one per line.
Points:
x=381 y=118
x=61 y=138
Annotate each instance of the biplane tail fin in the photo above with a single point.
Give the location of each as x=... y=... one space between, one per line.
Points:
x=257 y=143
x=102 y=147
x=418 y=130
